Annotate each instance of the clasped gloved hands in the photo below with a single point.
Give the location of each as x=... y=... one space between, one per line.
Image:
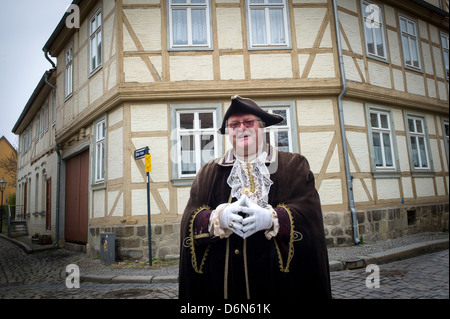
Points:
x=231 y=219
x=258 y=218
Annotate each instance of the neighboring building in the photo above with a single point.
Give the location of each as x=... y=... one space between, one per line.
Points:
x=161 y=74
x=7 y=151
x=37 y=158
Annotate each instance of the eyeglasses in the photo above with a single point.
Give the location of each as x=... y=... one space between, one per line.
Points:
x=235 y=125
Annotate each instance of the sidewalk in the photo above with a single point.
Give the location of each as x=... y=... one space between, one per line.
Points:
x=341 y=258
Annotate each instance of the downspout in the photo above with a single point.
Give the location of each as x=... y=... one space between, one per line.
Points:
x=58 y=193
x=47 y=74
x=58 y=170
x=48 y=59
x=348 y=175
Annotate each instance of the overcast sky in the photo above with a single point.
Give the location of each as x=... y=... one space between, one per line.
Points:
x=25 y=27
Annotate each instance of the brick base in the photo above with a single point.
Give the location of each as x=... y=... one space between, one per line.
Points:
x=131 y=240
x=387 y=223
x=373 y=225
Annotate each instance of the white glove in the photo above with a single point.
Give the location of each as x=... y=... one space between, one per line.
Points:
x=259 y=219
x=230 y=218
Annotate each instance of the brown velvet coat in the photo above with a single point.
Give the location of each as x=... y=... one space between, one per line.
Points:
x=292 y=265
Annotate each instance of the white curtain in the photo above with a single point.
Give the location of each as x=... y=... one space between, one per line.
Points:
x=179 y=26
x=277 y=26
x=387 y=150
x=199 y=33
x=258 y=18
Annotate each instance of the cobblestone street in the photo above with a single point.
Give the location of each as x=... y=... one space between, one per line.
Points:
x=42 y=275
x=422 y=277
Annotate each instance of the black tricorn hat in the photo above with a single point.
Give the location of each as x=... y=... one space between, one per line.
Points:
x=241 y=105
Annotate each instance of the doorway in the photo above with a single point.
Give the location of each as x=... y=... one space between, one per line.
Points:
x=76 y=199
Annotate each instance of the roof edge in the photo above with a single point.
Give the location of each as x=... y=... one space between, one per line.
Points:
x=59 y=28
x=34 y=95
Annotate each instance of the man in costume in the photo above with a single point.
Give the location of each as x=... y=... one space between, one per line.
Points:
x=253 y=225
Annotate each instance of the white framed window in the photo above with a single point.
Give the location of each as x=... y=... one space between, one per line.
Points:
x=446 y=138
x=268 y=24
x=68 y=72
x=418 y=142
x=46 y=119
x=26 y=139
x=382 y=142
x=189 y=24
x=410 y=43
x=53 y=107
x=374 y=30
x=37 y=127
x=100 y=151
x=445 y=46
x=197 y=140
x=382 y=139
x=418 y=145
x=279 y=135
x=194 y=139
x=42 y=121
x=95 y=41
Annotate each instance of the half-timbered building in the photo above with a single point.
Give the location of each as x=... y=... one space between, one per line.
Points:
x=139 y=73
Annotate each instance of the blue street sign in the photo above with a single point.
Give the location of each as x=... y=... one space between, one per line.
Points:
x=140 y=153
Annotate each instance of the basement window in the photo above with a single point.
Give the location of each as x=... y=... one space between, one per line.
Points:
x=411 y=215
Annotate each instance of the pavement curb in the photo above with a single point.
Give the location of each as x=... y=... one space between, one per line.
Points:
x=387 y=256
x=384 y=257
x=122 y=279
x=27 y=248
x=394 y=254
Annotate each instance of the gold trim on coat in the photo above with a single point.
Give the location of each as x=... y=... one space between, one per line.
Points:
x=197 y=269
x=291 y=243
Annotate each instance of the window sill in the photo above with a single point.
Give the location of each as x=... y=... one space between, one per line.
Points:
x=378 y=58
x=97 y=186
x=190 y=48
x=270 y=47
x=386 y=174
x=180 y=182
x=68 y=97
x=93 y=72
x=411 y=68
x=422 y=174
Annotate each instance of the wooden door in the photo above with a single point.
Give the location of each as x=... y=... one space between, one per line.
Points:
x=48 y=205
x=76 y=203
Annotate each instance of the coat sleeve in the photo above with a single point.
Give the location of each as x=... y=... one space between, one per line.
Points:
x=300 y=243
x=194 y=223
x=192 y=256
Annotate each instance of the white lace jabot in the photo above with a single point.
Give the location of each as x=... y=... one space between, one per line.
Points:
x=251 y=178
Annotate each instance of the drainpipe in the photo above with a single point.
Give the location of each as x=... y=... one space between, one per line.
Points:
x=58 y=153
x=58 y=193
x=48 y=59
x=348 y=175
x=47 y=74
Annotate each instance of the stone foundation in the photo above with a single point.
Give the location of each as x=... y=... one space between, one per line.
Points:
x=131 y=240
x=386 y=223
x=373 y=225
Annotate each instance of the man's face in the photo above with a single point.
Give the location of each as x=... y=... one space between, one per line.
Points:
x=245 y=133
